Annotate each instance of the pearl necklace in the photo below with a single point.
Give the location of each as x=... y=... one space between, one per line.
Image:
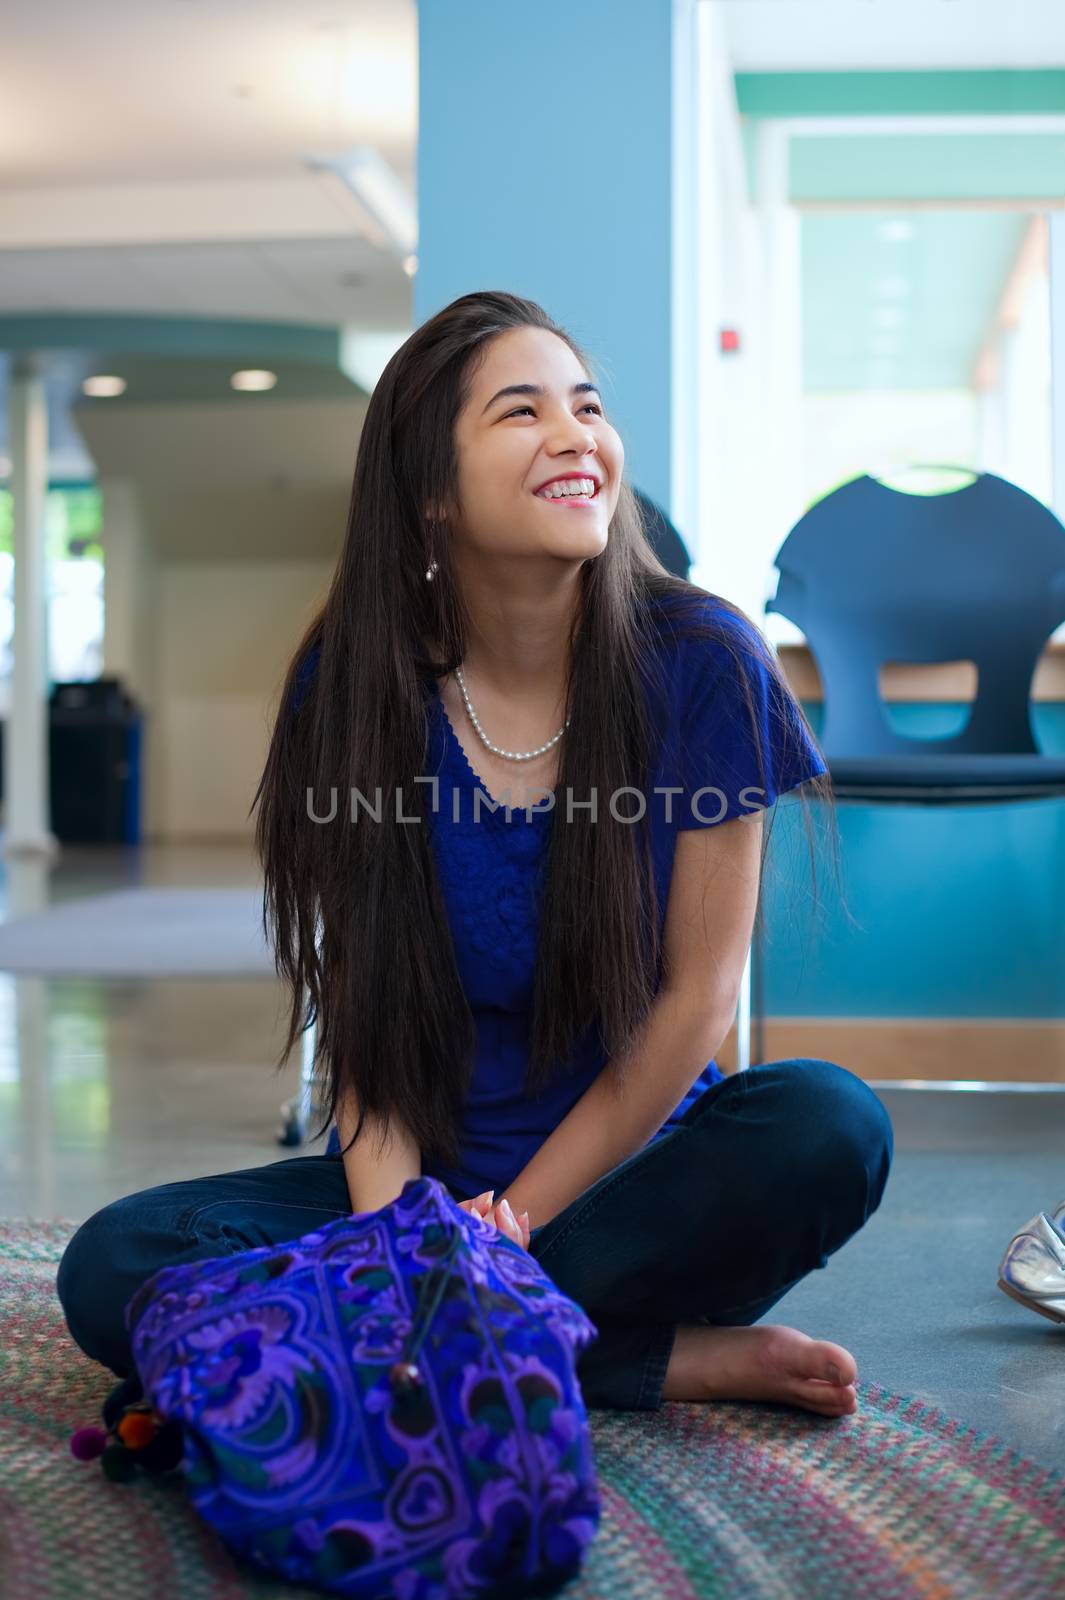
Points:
x=511 y=755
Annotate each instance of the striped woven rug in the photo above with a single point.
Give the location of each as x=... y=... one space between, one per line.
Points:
x=744 y=1502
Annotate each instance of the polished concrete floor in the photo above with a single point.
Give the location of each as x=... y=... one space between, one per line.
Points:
x=108 y=1087
x=913 y=1296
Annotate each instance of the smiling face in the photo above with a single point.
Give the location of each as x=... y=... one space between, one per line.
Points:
x=510 y=445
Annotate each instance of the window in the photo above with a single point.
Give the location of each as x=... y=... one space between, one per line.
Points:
x=75 y=587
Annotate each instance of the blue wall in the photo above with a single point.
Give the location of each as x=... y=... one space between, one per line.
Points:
x=544 y=168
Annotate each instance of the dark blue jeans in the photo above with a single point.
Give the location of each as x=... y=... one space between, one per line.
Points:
x=768 y=1174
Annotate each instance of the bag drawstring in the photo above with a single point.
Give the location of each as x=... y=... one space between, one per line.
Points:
x=404 y=1375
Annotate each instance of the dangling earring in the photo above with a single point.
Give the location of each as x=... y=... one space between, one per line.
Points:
x=433 y=567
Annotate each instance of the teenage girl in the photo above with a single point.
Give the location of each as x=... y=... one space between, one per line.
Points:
x=512 y=825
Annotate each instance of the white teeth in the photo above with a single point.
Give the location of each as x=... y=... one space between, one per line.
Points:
x=571 y=487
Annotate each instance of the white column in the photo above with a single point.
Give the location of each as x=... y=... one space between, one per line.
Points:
x=687 y=174
x=702 y=525
x=731 y=444
x=778 y=340
x=26 y=810
x=1057 y=358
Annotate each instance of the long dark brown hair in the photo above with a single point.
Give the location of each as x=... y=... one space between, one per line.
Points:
x=354 y=909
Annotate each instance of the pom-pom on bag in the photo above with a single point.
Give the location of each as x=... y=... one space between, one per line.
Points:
x=387 y=1407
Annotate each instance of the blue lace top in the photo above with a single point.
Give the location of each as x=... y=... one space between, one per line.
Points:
x=491 y=862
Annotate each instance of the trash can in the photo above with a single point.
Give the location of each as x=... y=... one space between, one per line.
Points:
x=95 y=736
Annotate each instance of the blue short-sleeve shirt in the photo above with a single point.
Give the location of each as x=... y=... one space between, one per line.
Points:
x=491 y=866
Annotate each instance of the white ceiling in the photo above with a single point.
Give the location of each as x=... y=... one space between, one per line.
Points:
x=893 y=35
x=331 y=281
x=119 y=90
x=152 y=157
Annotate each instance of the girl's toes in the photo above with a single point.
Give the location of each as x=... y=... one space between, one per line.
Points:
x=834 y=1364
x=843 y=1402
x=847 y=1405
x=829 y=1400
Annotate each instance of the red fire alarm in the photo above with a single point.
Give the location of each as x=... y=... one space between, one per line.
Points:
x=730 y=341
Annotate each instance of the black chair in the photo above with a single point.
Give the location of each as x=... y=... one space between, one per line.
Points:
x=871 y=574
x=666 y=542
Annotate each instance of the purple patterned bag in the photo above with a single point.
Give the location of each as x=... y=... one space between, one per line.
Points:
x=387 y=1407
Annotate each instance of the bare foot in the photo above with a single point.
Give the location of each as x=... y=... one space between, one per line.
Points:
x=761 y=1363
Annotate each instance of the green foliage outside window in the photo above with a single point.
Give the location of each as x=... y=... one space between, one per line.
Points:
x=72 y=518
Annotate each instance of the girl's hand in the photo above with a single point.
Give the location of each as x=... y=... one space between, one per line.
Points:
x=475 y=1207
x=500 y=1216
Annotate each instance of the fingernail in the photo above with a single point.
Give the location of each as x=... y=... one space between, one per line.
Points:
x=504 y=1206
x=836 y=1373
x=525 y=1217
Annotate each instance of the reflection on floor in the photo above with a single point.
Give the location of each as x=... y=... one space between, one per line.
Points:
x=108 y=1087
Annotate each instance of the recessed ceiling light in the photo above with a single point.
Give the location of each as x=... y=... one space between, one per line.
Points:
x=889 y=316
x=892 y=286
x=103 y=386
x=883 y=344
x=410 y=265
x=253 y=378
x=896 y=231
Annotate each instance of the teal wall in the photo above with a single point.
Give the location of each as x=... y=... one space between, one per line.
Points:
x=913 y=94
x=544 y=169
x=928 y=166
x=960 y=908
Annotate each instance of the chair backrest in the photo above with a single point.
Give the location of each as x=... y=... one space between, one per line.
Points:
x=666 y=542
x=871 y=575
